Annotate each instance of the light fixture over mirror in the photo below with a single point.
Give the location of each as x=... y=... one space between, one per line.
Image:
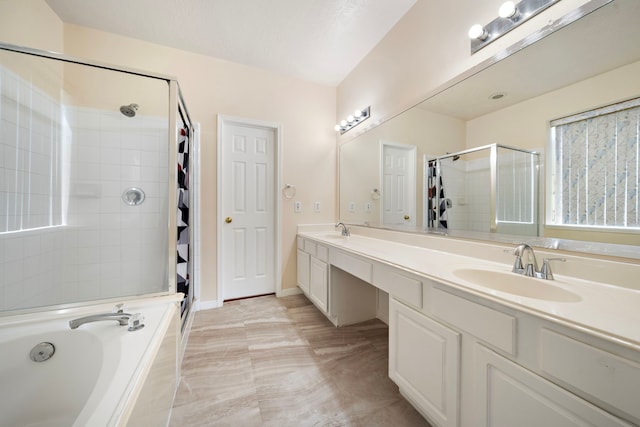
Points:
x=353 y=120
x=510 y=15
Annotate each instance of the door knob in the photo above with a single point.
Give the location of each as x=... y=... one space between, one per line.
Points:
x=228 y=220
x=407 y=217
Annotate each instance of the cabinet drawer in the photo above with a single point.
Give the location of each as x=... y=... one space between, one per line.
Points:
x=606 y=376
x=352 y=265
x=402 y=286
x=491 y=326
x=322 y=253
x=310 y=247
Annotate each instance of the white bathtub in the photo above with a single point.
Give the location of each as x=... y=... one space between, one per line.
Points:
x=100 y=374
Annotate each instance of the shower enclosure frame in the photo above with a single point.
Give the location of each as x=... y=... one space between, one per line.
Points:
x=177 y=111
x=493 y=179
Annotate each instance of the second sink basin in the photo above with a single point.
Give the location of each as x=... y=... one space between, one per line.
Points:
x=516 y=284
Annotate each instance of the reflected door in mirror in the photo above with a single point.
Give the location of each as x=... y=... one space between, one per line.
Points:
x=398 y=183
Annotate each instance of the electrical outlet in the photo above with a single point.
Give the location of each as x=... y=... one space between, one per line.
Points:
x=297 y=207
x=367 y=207
x=316 y=207
x=352 y=207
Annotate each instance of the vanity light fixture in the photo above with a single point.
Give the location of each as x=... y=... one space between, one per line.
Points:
x=510 y=15
x=353 y=120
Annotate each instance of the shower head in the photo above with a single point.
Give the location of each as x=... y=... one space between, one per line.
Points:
x=129 y=110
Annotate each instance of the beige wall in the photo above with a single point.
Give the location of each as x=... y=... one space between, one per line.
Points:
x=428 y=47
x=30 y=23
x=306 y=112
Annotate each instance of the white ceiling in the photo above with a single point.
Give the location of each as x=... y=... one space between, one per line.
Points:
x=314 y=40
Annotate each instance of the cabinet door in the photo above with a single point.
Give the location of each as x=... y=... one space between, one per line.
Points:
x=509 y=395
x=424 y=361
x=303 y=271
x=318 y=284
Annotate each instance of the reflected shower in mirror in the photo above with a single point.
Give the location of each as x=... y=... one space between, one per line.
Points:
x=485 y=189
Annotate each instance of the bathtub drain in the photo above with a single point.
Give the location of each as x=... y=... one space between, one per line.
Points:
x=42 y=352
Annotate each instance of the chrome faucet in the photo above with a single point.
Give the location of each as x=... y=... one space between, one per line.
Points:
x=345 y=229
x=133 y=320
x=122 y=318
x=530 y=269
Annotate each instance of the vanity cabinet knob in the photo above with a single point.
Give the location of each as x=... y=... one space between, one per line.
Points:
x=407 y=217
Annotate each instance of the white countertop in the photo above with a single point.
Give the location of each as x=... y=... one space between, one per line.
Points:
x=607 y=311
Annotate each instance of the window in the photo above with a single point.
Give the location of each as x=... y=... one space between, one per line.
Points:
x=594 y=168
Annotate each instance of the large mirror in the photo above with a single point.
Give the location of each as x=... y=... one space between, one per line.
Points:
x=590 y=63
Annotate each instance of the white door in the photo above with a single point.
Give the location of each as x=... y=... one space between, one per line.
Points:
x=247 y=210
x=398 y=184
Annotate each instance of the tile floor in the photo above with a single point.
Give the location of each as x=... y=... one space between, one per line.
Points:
x=271 y=361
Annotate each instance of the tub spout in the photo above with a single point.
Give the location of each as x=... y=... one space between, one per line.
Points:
x=121 y=318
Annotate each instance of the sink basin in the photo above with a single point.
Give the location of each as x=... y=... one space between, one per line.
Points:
x=516 y=284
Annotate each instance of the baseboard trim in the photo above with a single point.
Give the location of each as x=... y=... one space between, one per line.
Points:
x=288 y=292
x=206 y=305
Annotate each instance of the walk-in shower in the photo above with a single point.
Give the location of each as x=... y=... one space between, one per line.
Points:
x=89 y=196
x=493 y=188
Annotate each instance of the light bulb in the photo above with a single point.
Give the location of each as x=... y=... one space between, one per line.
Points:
x=337 y=128
x=357 y=113
x=350 y=119
x=478 y=32
x=343 y=123
x=508 y=10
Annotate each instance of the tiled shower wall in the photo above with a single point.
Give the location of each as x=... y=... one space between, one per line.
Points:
x=65 y=233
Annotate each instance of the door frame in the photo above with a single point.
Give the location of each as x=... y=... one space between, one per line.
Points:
x=223 y=121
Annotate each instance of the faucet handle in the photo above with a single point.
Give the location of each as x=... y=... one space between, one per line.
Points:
x=135 y=322
x=545 y=271
x=517 y=264
x=119 y=308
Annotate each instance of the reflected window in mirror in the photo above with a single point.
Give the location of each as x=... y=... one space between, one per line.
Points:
x=595 y=168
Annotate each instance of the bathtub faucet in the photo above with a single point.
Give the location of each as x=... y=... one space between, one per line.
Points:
x=133 y=320
x=122 y=318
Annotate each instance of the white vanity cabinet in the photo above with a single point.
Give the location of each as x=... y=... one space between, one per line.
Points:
x=313 y=272
x=319 y=284
x=304 y=265
x=462 y=361
x=464 y=358
x=510 y=395
x=424 y=361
